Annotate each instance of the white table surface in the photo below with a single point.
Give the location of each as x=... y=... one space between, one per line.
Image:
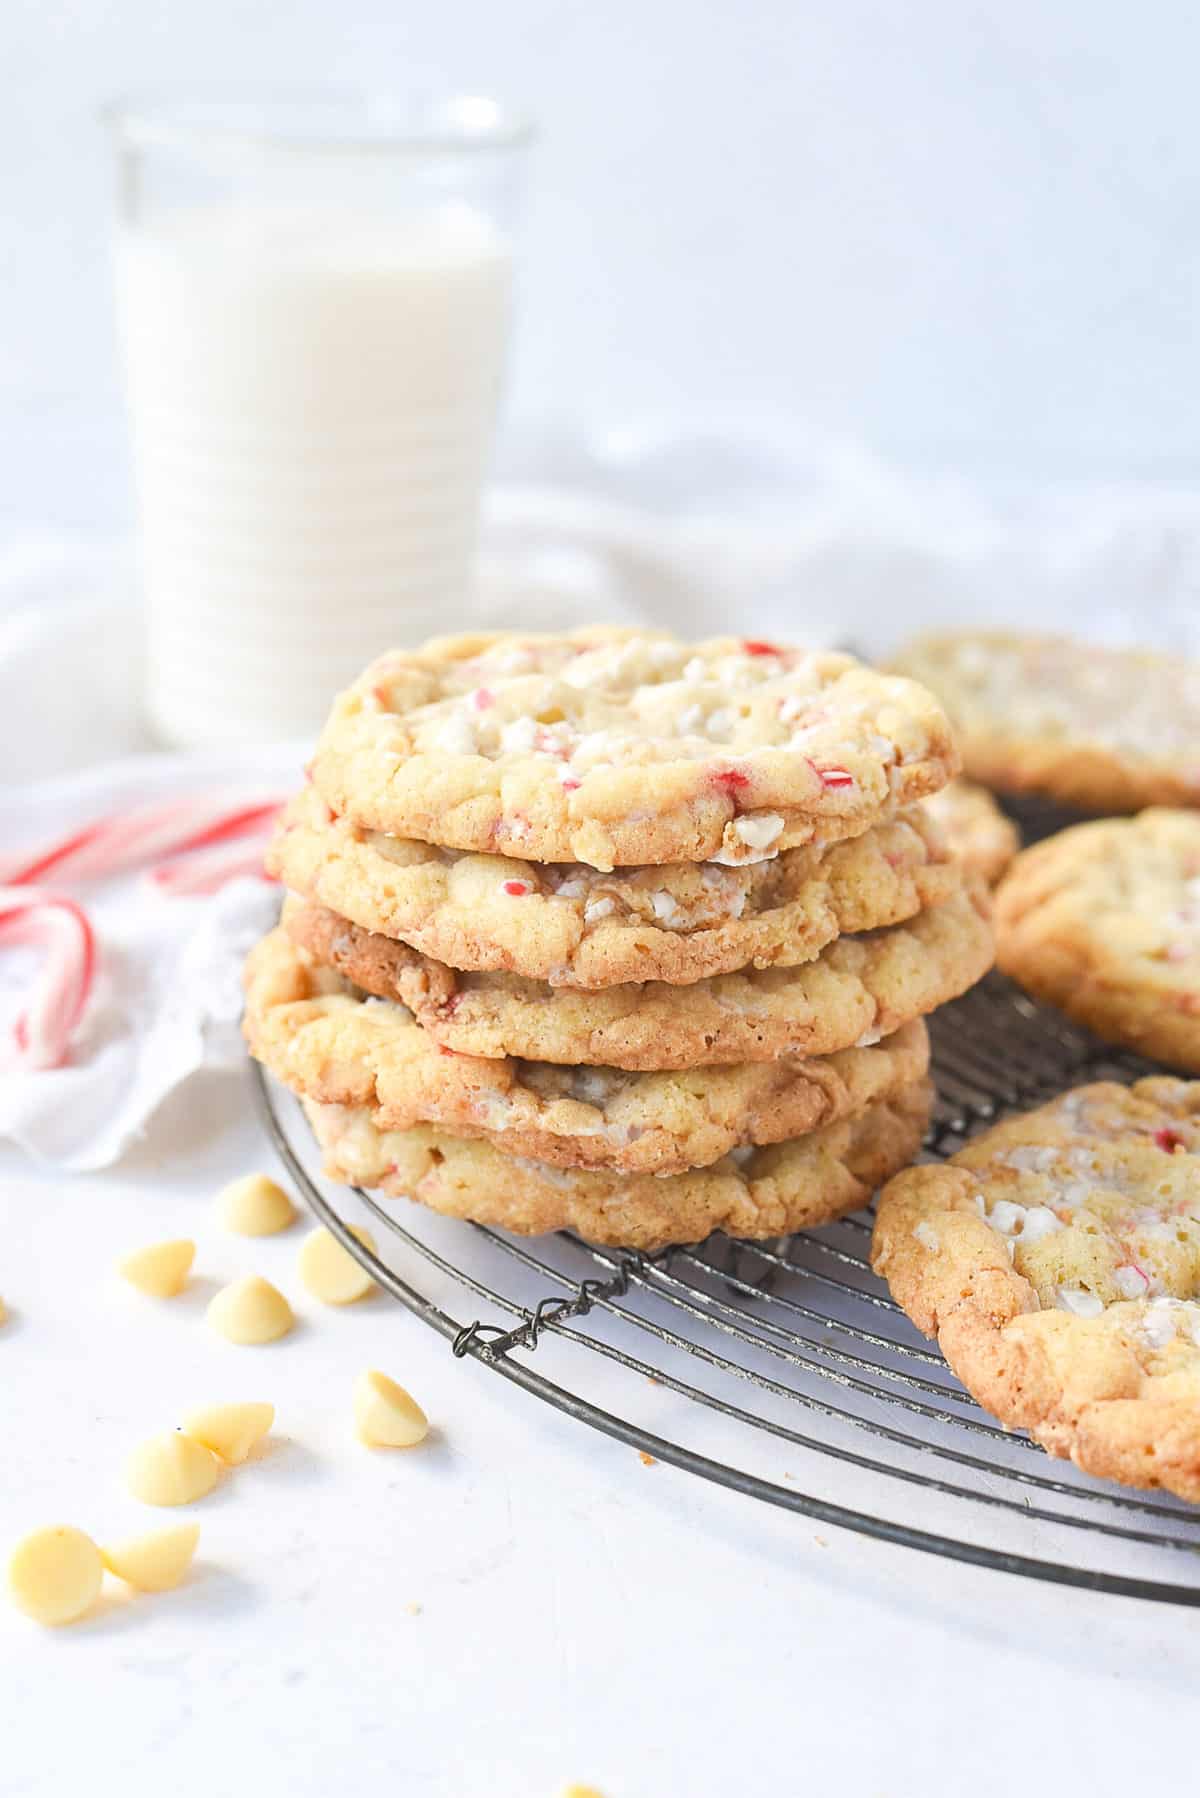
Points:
x=581 y=1615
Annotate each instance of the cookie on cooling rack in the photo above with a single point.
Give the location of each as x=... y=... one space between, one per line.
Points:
x=1057 y=1261
x=1103 y=921
x=860 y=988
x=763 y=1192
x=621 y=748
x=572 y=926
x=1103 y=730
x=975 y=829
x=324 y=1040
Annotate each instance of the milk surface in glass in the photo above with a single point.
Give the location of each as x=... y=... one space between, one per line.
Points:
x=312 y=397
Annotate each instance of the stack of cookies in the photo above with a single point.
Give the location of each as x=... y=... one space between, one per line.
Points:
x=612 y=933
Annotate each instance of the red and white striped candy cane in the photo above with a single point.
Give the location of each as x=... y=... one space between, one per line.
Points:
x=42 y=1033
x=125 y=840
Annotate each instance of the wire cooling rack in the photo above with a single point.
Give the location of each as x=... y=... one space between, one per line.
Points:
x=783 y=1369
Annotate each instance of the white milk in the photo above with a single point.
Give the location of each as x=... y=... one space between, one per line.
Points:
x=312 y=399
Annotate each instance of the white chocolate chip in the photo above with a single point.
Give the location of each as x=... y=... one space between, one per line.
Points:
x=1029 y=1159
x=456 y=735
x=385 y=1415
x=54 y=1575
x=1006 y=1217
x=254 y=1206
x=1040 y=1221
x=250 y=1311
x=666 y=906
x=926 y=1235
x=172 y=1469
x=595 y=909
x=330 y=1272
x=759 y=831
x=519 y=737
x=1075 y=1300
x=161 y=1270
x=596 y=1086
x=230 y=1431
x=155 y=1562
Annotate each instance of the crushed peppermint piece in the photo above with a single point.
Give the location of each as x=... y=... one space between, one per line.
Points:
x=834 y=777
x=516 y=889
x=1169 y=1140
x=731 y=780
x=481 y=698
x=754 y=647
x=1131 y=1282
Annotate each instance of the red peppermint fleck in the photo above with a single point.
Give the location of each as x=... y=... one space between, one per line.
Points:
x=382 y=697
x=570 y=784
x=451 y=1005
x=516 y=889
x=482 y=698
x=1169 y=1140
x=731 y=780
x=393 y=1167
x=443 y=1050
x=833 y=777
x=753 y=646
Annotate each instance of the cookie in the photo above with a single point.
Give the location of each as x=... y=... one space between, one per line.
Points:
x=1057 y=1261
x=621 y=748
x=976 y=830
x=320 y=1036
x=857 y=990
x=1103 y=921
x=570 y=925
x=1103 y=730
x=750 y=1193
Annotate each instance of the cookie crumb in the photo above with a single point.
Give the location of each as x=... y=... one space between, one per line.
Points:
x=645 y=1459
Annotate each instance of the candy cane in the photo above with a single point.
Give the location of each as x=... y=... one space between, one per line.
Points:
x=125 y=840
x=43 y=1031
x=206 y=870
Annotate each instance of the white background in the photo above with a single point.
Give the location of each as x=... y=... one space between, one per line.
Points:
x=964 y=235
x=964 y=232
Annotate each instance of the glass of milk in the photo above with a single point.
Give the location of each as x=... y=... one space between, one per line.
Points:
x=314 y=299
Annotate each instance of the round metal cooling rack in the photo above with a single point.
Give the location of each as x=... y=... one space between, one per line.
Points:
x=783 y=1369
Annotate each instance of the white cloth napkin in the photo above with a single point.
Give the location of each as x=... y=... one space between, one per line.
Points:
x=166 y=998
x=828 y=547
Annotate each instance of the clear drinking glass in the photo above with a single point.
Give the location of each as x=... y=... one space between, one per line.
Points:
x=314 y=298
